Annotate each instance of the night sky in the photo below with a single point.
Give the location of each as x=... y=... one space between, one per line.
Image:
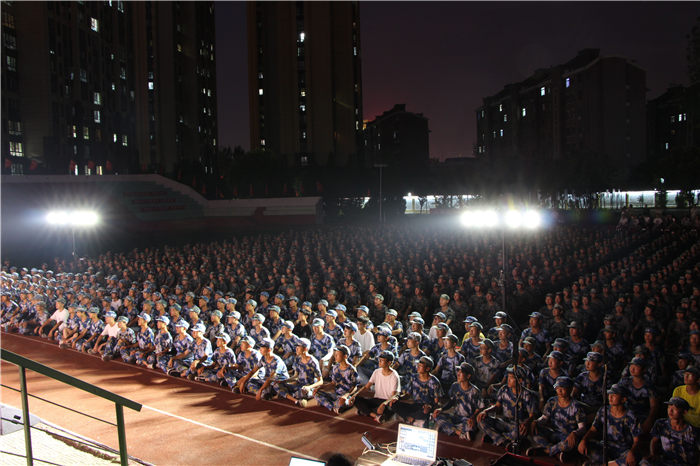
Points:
x=442 y=58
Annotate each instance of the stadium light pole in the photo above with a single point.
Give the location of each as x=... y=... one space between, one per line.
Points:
x=72 y=218
x=381 y=167
x=508 y=220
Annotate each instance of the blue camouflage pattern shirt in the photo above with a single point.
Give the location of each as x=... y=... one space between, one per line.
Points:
x=309 y=372
x=424 y=392
x=248 y=362
x=225 y=358
x=275 y=368
x=680 y=447
x=183 y=345
x=507 y=398
x=260 y=335
x=145 y=338
x=408 y=364
x=273 y=327
x=345 y=380
x=127 y=336
x=163 y=342
x=541 y=339
x=287 y=345
x=336 y=332
x=202 y=349
x=590 y=392
x=449 y=365
x=470 y=350
x=502 y=355
x=621 y=431
x=320 y=348
x=564 y=419
x=237 y=331
x=354 y=347
x=638 y=400
x=466 y=401
x=483 y=371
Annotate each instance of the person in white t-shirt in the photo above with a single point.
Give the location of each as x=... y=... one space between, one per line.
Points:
x=363 y=336
x=108 y=335
x=387 y=385
x=53 y=326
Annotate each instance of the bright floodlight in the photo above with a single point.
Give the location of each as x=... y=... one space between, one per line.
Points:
x=531 y=219
x=55 y=218
x=79 y=217
x=480 y=219
x=513 y=219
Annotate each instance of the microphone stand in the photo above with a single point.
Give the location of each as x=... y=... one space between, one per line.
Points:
x=515 y=445
x=605 y=414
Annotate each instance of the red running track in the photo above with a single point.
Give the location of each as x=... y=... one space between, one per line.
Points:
x=184 y=422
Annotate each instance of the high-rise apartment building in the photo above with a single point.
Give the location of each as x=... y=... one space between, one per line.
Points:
x=591 y=104
x=305 y=81
x=106 y=87
x=398 y=137
x=669 y=122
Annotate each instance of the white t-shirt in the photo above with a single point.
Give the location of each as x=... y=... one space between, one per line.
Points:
x=110 y=330
x=366 y=341
x=60 y=316
x=385 y=385
x=432 y=333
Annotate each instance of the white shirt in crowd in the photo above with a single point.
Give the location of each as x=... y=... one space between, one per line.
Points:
x=385 y=385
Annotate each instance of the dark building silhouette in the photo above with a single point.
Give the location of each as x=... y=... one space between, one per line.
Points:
x=305 y=81
x=591 y=104
x=398 y=137
x=669 y=123
x=107 y=85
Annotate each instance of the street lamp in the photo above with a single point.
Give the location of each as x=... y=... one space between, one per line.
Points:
x=508 y=220
x=72 y=218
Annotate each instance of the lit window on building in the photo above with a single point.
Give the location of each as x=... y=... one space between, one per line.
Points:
x=524 y=112
x=96 y=116
x=115 y=137
x=302 y=36
x=505 y=117
x=125 y=142
x=9 y=41
x=568 y=82
x=666 y=146
x=16 y=149
x=260 y=92
x=96 y=98
x=501 y=133
x=150 y=86
x=543 y=90
x=94 y=25
x=75 y=134
x=500 y=107
x=262 y=142
x=302 y=108
x=86 y=132
x=15 y=128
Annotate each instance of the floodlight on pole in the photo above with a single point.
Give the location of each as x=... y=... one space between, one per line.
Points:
x=72 y=218
x=509 y=220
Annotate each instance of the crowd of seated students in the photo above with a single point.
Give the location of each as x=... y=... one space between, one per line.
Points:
x=410 y=324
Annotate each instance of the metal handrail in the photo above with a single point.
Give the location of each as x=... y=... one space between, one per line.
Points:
x=119 y=401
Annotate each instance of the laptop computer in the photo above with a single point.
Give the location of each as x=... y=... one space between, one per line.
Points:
x=414 y=446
